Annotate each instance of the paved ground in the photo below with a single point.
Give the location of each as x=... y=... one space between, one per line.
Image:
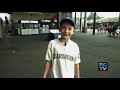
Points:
x=23 y=56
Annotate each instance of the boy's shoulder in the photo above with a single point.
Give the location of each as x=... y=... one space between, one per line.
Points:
x=74 y=43
x=53 y=41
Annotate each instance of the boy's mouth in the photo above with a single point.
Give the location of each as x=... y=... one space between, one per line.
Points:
x=66 y=34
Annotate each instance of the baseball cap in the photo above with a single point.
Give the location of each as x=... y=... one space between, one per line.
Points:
x=70 y=21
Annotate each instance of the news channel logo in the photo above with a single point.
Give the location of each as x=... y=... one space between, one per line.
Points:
x=103 y=66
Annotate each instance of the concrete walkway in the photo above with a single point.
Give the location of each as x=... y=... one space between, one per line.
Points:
x=23 y=56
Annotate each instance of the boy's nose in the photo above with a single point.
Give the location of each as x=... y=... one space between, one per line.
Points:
x=66 y=30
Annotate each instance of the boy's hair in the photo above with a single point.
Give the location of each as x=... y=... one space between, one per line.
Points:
x=70 y=21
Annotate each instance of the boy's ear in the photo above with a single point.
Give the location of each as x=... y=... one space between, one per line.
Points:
x=74 y=30
x=59 y=29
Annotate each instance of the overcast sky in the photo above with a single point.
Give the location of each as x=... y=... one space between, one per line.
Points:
x=102 y=14
x=108 y=14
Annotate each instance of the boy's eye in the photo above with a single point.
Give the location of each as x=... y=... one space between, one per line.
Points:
x=70 y=28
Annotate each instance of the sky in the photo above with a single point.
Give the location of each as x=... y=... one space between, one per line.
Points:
x=101 y=14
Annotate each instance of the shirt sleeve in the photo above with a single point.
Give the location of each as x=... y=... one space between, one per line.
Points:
x=49 y=52
x=77 y=57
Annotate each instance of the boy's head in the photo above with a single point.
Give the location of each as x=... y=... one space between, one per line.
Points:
x=70 y=21
x=67 y=27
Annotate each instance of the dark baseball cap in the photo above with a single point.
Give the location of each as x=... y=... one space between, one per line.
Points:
x=70 y=21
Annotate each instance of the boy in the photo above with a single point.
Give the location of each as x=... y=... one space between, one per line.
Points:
x=63 y=56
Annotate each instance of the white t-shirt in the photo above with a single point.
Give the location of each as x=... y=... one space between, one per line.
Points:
x=118 y=30
x=63 y=58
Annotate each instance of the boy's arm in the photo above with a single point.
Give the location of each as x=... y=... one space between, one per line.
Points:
x=77 y=71
x=47 y=67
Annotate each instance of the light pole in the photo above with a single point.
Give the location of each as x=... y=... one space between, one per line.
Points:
x=94 y=23
x=80 y=21
x=85 y=22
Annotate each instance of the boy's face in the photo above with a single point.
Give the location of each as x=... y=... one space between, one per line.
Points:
x=66 y=30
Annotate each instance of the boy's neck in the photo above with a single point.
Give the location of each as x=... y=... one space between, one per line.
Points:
x=64 y=40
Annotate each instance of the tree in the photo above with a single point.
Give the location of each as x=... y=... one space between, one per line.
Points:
x=77 y=21
x=91 y=16
x=98 y=17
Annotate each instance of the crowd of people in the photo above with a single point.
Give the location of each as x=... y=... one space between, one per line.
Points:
x=111 y=30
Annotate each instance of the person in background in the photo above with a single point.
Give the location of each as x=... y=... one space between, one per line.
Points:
x=118 y=32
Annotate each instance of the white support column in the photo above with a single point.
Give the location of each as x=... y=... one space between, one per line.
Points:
x=0 y=30
x=59 y=18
